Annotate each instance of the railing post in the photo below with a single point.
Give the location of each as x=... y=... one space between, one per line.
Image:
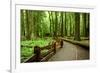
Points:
x=61 y=43
x=37 y=52
x=54 y=46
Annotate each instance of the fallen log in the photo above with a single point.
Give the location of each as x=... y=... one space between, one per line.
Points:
x=77 y=43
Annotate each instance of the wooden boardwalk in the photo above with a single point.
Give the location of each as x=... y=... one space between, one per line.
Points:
x=70 y=52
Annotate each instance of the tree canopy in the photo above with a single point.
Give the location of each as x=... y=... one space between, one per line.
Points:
x=40 y=24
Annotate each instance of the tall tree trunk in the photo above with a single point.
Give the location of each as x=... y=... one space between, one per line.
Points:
x=50 y=21
x=22 y=25
x=73 y=20
x=65 y=25
x=33 y=29
x=77 y=27
x=62 y=25
x=84 y=25
x=52 y=24
x=37 y=32
x=56 y=23
x=88 y=23
x=29 y=24
x=70 y=23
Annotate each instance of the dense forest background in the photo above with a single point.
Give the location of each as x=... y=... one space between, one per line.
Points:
x=40 y=24
x=40 y=28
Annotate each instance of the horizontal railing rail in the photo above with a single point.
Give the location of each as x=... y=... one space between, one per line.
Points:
x=52 y=48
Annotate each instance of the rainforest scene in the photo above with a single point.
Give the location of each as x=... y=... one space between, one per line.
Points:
x=54 y=36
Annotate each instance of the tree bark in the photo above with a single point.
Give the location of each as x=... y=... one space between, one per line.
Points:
x=62 y=25
x=77 y=27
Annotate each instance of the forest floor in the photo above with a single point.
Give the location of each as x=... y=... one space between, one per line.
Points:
x=70 y=52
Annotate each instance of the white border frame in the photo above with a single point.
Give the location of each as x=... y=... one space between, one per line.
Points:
x=15 y=31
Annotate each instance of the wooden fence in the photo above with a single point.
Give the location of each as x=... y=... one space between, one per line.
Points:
x=52 y=49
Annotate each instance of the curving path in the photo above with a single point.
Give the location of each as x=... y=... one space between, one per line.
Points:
x=70 y=52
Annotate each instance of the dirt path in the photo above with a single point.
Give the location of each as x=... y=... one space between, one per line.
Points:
x=70 y=52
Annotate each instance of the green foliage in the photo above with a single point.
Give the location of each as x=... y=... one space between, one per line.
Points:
x=26 y=52
x=39 y=42
x=37 y=25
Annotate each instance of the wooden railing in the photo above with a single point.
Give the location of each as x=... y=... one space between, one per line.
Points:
x=52 y=49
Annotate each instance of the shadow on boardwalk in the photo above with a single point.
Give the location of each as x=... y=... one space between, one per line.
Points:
x=70 y=52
